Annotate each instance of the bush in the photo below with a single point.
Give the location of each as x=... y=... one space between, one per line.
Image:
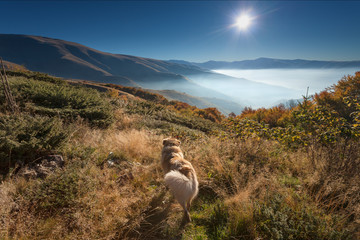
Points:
x=63 y=100
x=341 y=97
x=160 y=112
x=24 y=138
x=276 y=220
x=35 y=75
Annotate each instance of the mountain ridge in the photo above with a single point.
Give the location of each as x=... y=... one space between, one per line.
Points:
x=72 y=60
x=272 y=63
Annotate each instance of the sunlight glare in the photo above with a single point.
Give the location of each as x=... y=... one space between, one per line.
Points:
x=243 y=22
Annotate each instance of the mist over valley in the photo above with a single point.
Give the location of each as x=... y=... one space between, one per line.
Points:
x=284 y=83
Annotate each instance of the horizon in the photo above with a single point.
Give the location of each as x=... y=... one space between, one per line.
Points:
x=196 y=31
x=252 y=59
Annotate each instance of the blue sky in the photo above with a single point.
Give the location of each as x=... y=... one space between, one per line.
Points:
x=195 y=30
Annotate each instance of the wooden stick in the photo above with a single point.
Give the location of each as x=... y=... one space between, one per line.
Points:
x=8 y=95
x=5 y=89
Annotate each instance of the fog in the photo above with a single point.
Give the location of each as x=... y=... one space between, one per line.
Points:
x=267 y=87
x=297 y=79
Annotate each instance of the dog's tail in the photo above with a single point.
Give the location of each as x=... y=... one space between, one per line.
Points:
x=184 y=188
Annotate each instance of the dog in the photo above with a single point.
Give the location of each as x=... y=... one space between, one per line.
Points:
x=180 y=176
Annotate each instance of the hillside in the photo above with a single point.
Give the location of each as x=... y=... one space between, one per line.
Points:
x=223 y=106
x=75 y=61
x=79 y=163
x=160 y=96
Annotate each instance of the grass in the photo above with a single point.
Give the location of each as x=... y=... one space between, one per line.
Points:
x=62 y=100
x=112 y=184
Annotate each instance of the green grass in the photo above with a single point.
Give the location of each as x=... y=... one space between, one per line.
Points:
x=62 y=100
x=161 y=113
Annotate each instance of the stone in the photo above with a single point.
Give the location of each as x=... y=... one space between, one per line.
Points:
x=42 y=167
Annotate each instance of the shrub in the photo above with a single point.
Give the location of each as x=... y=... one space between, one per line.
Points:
x=63 y=100
x=35 y=75
x=340 y=96
x=277 y=220
x=160 y=112
x=275 y=116
x=24 y=138
x=211 y=114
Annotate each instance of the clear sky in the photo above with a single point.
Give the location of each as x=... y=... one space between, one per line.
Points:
x=195 y=30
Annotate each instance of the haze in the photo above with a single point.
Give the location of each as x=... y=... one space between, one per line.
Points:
x=296 y=80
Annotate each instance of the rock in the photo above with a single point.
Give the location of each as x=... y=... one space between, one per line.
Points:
x=110 y=163
x=42 y=167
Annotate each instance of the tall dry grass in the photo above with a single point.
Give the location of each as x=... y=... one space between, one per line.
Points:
x=112 y=187
x=128 y=200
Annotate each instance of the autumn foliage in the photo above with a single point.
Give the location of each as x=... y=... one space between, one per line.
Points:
x=275 y=116
x=211 y=114
x=343 y=97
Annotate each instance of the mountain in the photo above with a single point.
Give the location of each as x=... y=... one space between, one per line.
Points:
x=72 y=60
x=271 y=63
x=75 y=61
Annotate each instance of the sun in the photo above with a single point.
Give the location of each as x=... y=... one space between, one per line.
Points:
x=243 y=22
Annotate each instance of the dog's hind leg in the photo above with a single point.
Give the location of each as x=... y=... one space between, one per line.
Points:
x=187 y=217
x=188 y=204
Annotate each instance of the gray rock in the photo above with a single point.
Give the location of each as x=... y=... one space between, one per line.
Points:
x=42 y=167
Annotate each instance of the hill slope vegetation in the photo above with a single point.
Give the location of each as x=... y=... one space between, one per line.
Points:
x=265 y=174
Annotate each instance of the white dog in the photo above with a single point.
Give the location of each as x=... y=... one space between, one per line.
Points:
x=180 y=175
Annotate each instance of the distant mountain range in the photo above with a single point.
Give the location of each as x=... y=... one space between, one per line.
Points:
x=75 y=61
x=271 y=63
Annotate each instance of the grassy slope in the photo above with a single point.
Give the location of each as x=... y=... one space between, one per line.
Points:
x=249 y=189
x=224 y=106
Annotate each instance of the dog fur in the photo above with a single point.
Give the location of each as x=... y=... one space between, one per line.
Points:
x=180 y=175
